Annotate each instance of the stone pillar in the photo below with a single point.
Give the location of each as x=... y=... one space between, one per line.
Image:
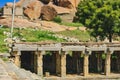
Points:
x=63 y=64
x=86 y=67
x=40 y=64
x=17 y=58
x=58 y=62
x=107 y=64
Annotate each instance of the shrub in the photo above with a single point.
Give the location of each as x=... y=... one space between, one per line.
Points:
x=57 y=19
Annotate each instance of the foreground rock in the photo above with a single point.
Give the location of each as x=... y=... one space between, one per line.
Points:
x=22 y=74
x=66 y=4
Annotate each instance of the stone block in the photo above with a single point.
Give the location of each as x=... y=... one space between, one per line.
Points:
x=18 y=11
x=7 y=11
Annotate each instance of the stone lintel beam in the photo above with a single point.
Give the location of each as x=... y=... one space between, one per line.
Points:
x=27 y=48
x=51 y=45
x=98 y=49
x=73 y=48
x=25 y=45
x=49 y=48
x=112 y=49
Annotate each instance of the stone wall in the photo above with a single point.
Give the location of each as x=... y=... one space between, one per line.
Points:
x=19 y=12
x=7 y=11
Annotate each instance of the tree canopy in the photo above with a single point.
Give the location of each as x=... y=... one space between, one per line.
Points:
x=101 y=16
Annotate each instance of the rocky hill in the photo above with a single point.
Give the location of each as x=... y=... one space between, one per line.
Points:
x=31 y=13
x=42 y=9
x=24 y=23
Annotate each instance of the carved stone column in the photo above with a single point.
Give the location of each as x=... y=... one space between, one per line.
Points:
x=107 y=64
x=63 y=64
x=39 y=63
x=85 y=66
x=58 y=63
x=17 y=60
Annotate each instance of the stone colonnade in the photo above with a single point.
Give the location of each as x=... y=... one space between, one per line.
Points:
x=61 y=52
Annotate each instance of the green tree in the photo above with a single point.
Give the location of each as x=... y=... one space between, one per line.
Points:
x=101 y=16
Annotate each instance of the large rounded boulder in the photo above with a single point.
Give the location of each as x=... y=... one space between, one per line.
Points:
x=48 y=12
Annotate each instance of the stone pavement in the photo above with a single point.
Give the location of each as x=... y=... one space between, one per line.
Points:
x=3 y=72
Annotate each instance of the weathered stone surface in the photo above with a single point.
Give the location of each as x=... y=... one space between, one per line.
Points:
x=19 y=11
x=48 y=13
x=19 y=3
x=33 y=10
x=85 y=67
x=107 y=64
x=66 y=3
x=63 y=65
x=66 y=14
x=74 y=2
x=39 y=64
x=7 y=11
x=59 y=9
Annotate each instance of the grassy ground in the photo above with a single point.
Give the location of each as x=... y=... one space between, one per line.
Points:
x=81 y=35
x=32 y=35
x=71 y=24
x=3 y=47
x=29 y=35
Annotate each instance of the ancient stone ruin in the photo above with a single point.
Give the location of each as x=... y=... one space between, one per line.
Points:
x=42 y=9
x=63 y=59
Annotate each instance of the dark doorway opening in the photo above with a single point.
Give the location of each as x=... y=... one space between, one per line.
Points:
x=115 y=62
x=74 y=63
x=27 y=60
x=97 y=62
x=49 y=63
